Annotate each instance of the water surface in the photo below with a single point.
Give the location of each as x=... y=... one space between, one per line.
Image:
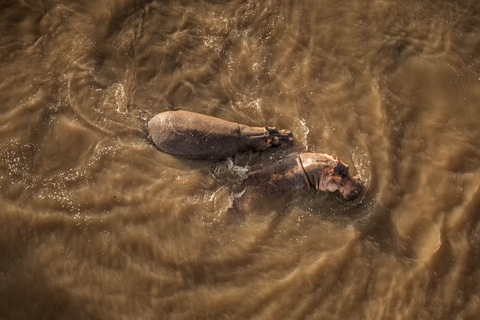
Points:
x=96 y=223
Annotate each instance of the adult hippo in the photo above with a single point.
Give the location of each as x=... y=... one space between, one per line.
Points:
x=197 y=136
x=292 y=173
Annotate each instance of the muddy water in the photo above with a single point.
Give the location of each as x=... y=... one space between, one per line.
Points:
x=96 y=223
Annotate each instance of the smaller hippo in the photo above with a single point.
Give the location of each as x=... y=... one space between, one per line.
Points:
x=292 y=173
x=197 y=136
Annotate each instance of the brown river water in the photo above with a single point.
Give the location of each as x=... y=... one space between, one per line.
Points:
x=96 y=223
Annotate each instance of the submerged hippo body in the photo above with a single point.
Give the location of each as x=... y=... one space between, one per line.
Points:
x=292 y=173
x=197 y=136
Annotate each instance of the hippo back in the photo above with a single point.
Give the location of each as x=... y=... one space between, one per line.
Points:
x=195 y=136
x=282 y=177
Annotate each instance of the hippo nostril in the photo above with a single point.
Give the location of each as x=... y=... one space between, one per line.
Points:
x=355 y=192
x=351 y=195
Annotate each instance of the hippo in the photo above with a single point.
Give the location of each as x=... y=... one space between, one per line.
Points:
x=315 y=171
x=201 y=137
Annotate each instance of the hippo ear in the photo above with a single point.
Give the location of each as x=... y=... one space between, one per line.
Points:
x=268 y=143
x=271 y=129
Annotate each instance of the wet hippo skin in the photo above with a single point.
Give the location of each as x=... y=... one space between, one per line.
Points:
x=197 y=136
x=297 y=171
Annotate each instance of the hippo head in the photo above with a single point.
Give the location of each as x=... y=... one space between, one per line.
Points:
x=328 y=174
x=278 y=137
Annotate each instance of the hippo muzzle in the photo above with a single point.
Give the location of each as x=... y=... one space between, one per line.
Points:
x=350 y=187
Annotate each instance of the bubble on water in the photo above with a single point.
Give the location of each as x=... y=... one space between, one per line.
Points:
x=255 y=104
x=305 y=130
x=117 y=98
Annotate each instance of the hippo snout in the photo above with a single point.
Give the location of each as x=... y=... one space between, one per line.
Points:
x=280 y=137
x=352 y=188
